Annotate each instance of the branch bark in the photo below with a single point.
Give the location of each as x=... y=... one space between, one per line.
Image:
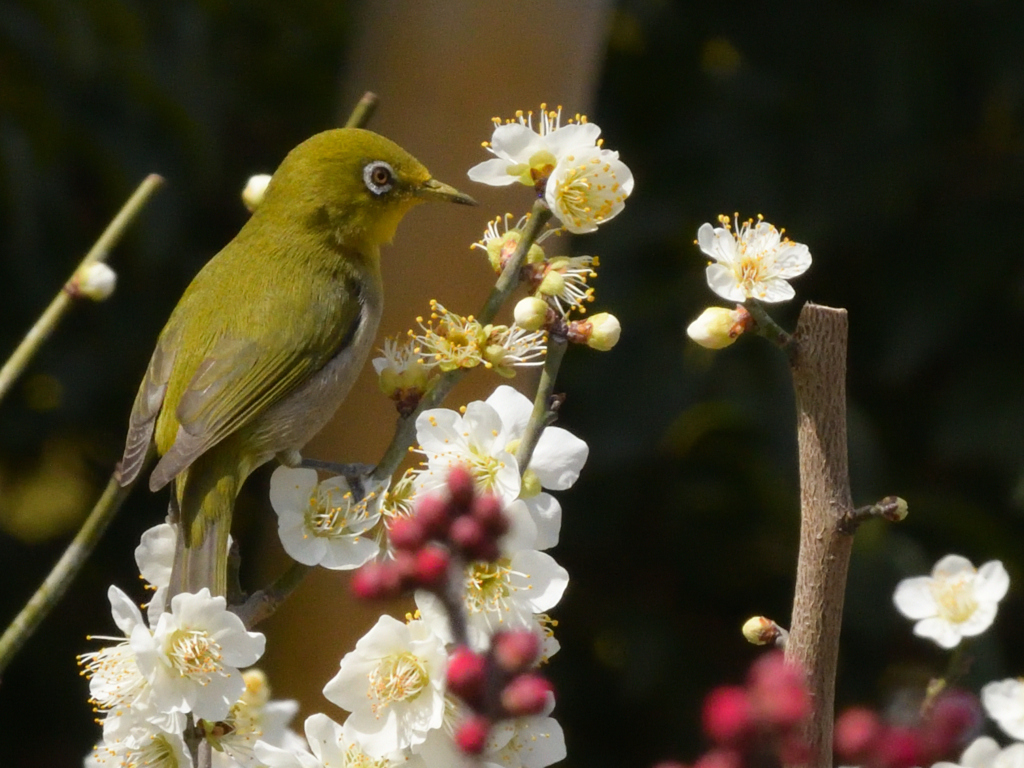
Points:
x=819 y=381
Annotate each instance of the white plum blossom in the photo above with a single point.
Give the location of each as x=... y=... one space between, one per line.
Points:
x=527 y=155
x=588 y=187
x=330 y=746
x=753 y=262
x=985 y=752
x=486 y=438
x=254 y=717
x=502 y=595
x=393 y=686
x=956 y=601
x=583 y=184
x=1004 y=702
x=321 y=523
x=191 y=658
x=147 y=746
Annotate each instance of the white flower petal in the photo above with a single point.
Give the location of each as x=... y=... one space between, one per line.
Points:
x=558 y=458
x=914 y=598
x=992 y=582
x=940 y=631
x=722 y=281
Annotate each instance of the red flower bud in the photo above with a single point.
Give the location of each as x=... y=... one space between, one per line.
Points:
x=720 y=758
x=434 y=514
x=460 y=486
x=856 y=732
x=466 y=674
x=527 y=694
x=489 y=512
x=375 y=581
x=471 y=734
x=467 y=534
x=407 y=533
x=727 y=715
x=432 y=567
x=515 y=651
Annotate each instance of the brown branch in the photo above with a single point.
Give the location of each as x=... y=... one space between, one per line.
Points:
x=819 y=381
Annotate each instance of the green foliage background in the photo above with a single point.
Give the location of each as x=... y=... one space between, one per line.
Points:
x=887 y=136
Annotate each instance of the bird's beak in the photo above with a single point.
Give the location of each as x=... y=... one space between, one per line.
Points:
x=432 y=189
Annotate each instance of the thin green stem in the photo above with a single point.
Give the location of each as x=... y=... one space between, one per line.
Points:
x=405 y=430
x=63 y=301
x=543 y=413
x=56 y=584
x=363 y=111
x=765 y=326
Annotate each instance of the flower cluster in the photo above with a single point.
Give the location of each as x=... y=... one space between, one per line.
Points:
x=582 y=183
x=469 y=518
x=751 y=261
x=179 y=672
x=863 y=738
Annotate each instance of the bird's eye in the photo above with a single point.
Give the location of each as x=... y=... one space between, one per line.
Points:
x=379 y=177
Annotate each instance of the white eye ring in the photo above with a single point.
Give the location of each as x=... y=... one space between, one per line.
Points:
x=379 y=177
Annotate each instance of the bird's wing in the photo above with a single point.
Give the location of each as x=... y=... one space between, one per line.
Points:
x=146 y=408
x=239 y=379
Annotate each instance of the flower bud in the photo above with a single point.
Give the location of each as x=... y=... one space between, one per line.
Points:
x=552 y=284
x=761 y=630
x=488 y=511
x=460 y=486
x=94 y=281
x=433 y=513
x=516 y=650
x=856 y=731
x=718 y=327
x=431 y=567
x=531 y=313
x=407 y=533
x=255 y=187
x=375 y=581
x=466 y=674
x=600 y=332
x=467 y=534
x=525 y=695
x=727 y=715
x=471 y=734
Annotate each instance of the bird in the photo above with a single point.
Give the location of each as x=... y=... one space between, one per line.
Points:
x=269 y=336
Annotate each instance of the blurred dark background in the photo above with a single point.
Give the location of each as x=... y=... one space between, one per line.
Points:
x=889 y=137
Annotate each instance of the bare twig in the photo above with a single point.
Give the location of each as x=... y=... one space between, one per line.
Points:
x=819 y=380
x=64 y=299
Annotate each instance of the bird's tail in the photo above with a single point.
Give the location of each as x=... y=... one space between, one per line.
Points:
x=201 y=552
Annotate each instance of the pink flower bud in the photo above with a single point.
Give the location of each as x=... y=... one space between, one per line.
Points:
x=433 y=513
x=952 y=720
x=720 y=758
x=526 y=694
x=460 y=486
x=778 y=691
x=467 y=534
x=471 y=734
x=466 y=674
x=407 y=533
x=487 y=509
x=515 y=651
x=375 y=581
x=898 y=747
x=727 y=715
x=857 y=729
x=431 y=568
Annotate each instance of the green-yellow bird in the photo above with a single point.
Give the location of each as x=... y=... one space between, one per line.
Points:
x=270 y=335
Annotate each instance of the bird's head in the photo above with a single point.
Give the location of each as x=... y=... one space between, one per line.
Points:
x=353 y=182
